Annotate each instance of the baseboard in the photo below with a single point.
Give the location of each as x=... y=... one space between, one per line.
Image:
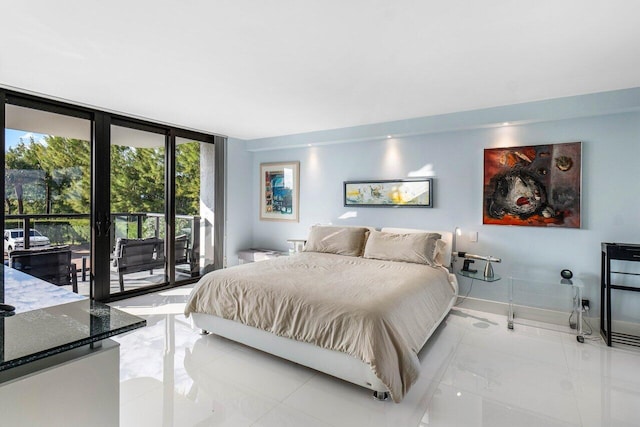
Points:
x=486 y=306
x=624 y=327
x=547 y=319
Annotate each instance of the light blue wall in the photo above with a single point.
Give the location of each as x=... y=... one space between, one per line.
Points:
x=239 y=183
x=610 y=205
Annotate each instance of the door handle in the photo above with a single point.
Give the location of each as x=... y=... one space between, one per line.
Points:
x=103 y=226
x=107 y=224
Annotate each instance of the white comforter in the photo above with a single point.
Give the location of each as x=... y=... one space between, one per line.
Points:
x=380 y=312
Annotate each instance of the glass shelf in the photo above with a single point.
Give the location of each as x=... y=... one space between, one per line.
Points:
x=479 y=275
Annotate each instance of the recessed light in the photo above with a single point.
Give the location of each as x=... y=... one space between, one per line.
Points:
x=458 y=394
x=388 y=136
x=308 y=145
x=505 y=124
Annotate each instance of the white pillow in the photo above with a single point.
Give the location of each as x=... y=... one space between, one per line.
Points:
x=439 y=252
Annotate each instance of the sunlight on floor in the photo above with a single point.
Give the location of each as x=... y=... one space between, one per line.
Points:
x=474 y=373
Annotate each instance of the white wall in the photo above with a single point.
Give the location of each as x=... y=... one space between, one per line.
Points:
x=610 y=204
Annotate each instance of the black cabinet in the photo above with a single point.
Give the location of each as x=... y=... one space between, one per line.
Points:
x=611 y=252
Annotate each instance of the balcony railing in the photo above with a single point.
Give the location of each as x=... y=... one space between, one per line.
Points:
x=75 y=230
x=123 y=224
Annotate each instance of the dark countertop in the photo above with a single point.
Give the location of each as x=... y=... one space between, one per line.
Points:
x=50 y=320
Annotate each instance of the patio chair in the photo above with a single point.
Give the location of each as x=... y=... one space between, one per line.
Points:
x=52 y=265
x=135 y=255
x=185 y=254
x=182 y=249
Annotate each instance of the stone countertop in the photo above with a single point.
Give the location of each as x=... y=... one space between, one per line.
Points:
x=27 y=293
x=50 y=320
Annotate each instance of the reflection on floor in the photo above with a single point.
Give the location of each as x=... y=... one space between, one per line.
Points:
x=141 y=279
x=474 y=373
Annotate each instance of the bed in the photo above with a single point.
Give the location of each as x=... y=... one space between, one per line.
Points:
x=353 y=308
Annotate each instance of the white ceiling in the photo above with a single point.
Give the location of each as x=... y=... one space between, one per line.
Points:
x=260 y=68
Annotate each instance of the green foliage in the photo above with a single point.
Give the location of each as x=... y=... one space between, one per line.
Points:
x=49 y=177
x=67 y=162
x=75 y=231
x=54 y=176
x=22 y=179
x=188 y=179
x=137 y=179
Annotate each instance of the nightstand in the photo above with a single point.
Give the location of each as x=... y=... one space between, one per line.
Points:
x=297 y=245
x=474 y=275
x=257 y=254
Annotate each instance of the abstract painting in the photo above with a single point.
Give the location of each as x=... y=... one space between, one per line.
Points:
x=415 y=193
x=536 y=185
x=279 y=191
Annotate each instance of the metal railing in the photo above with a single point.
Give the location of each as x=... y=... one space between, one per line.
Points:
x=135 y=218
x=27 y=221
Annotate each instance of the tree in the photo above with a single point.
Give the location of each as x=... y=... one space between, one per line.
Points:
x=137 y=179
x=188 y=179
x=67 y=166
x=54 y=176
x=21 y=174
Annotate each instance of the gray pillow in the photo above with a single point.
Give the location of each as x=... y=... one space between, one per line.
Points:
x=336 y=240
x=418 y=248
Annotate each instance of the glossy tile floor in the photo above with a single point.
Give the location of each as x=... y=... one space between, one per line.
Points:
x=474 y=373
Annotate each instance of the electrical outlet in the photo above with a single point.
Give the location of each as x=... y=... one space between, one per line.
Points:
x=585 y=304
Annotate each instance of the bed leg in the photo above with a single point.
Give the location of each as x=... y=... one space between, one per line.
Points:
x=204 y=332
x=381 y=395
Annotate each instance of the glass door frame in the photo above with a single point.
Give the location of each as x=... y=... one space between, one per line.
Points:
x=28 y=101
x=219 y=187
x=100 y=215
x=103 y=205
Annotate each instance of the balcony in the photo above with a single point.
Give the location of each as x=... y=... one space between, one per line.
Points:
x=73 y=230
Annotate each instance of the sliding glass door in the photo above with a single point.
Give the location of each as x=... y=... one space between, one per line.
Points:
x=195 y=207
x=47 y=188
x=139 y=204
x=137 y=208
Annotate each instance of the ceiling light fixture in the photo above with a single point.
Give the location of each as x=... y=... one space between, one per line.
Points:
x=505 y=124
x=388 y=136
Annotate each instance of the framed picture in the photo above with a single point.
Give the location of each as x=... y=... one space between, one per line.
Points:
x=409 y=193
x=279 y=191
x=535 y=185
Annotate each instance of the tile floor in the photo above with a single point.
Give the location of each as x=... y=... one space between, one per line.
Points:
x=474 y=373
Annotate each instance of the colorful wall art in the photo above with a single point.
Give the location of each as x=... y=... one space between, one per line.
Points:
x=394 y=193
x=279 y=191
x=537 y=185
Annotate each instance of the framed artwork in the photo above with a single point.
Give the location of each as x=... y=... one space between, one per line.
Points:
x=409 y=193
x=279 y=191
x=535 y=185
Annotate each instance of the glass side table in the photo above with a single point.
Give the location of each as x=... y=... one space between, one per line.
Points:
x=479 y=275
x=473 y=275
x=546 y=293
x=256 y=254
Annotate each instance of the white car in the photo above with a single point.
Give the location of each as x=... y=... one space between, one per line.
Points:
x=14 y=239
